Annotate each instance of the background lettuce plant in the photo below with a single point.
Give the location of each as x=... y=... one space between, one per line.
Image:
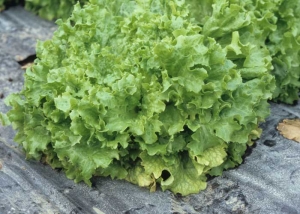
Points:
x=137 y=90
x=272 y=25
x=284 y=46
x=1 y=5
x=52 y=9
x=47 y=9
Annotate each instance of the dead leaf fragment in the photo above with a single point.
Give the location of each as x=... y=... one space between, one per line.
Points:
x=28 y=65
x=290 y=129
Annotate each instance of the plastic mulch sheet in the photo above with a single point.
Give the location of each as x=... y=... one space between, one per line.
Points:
x=268 y=181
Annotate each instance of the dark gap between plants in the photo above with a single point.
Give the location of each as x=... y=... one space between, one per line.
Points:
x=27 y=62
x=12 y=3
x=247 y=153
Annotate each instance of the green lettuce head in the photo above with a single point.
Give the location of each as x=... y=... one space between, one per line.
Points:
x=136 y=90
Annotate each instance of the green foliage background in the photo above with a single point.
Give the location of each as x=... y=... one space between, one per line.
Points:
x=47 y=9
x=274 y=25
x=52 y=9
x=1 y=4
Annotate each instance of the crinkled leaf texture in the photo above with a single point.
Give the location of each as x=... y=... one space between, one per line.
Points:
x=271 y=25
x=284 y=46
x=136 y=90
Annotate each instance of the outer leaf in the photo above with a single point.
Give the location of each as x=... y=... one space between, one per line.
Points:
x=85 y=159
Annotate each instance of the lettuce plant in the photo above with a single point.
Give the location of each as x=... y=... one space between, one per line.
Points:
x=138 y=90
